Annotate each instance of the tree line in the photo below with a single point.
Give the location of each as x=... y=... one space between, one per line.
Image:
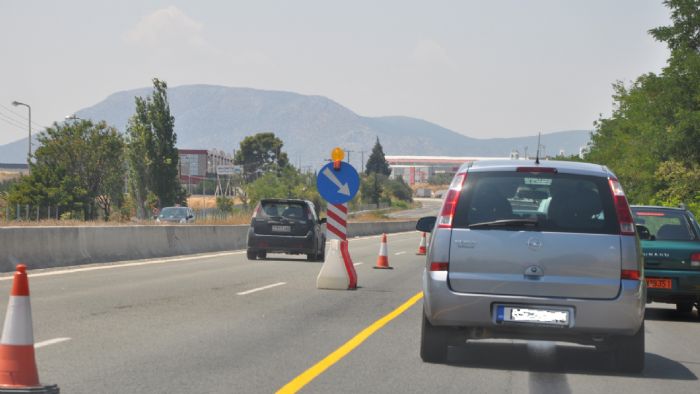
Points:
x=652 y=139
x=82 y=168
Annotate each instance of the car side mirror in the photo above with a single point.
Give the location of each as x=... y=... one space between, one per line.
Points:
x=643 y=232
x=190 y=216
x=426 y=224
x=323 y=220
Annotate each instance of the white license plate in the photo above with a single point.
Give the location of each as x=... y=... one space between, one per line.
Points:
x=518 y=314
x=282 y=229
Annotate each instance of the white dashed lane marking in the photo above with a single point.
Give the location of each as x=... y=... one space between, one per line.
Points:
x=261 y=288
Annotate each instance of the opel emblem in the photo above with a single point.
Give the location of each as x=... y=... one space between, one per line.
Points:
x=534 y=243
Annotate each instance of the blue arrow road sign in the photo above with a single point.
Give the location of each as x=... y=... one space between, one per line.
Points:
x=339 y=186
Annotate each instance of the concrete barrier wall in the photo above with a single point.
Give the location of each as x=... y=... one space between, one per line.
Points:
x=45 y=247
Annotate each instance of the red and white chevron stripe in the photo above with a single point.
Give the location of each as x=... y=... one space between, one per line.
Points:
x=337 y=222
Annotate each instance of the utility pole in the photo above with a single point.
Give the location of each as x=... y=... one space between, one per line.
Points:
x=29 y=152
x=363 y=160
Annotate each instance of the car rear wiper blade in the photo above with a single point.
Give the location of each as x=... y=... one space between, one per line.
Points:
x=507 y=223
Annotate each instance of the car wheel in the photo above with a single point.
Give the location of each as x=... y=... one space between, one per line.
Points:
x=322 y=255
x=262 y=254
x=311 y=257
x=251 y=254
x=433 y=342
x=628 y=352
x=684 y=307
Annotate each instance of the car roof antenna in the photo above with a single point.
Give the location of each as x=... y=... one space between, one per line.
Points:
x=537 y=155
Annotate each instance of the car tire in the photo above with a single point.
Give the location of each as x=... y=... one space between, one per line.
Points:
x=311 y=257
x=684 y=307
x=322 y=255
x=433 y=342
x=252 y=255
x=262 y=255
x=628 y=352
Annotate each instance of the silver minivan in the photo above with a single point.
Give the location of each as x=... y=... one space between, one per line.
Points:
x=530 y=250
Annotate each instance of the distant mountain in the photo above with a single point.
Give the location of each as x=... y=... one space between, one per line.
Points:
x=220 y=117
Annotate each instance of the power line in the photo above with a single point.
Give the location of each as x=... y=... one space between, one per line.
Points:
x=24 y=118
x=36 y=127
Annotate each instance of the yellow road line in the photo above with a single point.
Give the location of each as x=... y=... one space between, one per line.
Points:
x=312 y=373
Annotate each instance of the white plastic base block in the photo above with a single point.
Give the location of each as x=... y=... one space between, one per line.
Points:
x=333 y=275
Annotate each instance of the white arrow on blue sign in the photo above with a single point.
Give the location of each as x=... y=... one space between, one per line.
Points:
x=338 y=186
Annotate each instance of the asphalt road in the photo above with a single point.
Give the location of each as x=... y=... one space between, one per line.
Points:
x=197 y=324
x=430 y=206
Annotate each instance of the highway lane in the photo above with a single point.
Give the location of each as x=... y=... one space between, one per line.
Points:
x=183 y=327
x=429 y=206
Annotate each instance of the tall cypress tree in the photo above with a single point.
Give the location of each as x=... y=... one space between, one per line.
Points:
x=377 y=164
x=153 y=157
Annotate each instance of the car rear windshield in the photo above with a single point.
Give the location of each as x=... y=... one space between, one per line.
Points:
x=288 y=210
x=664 y=225
x=537 y=201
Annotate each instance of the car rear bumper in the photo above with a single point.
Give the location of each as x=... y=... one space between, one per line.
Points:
x=282 y=244
x=622 y=315
x=686 y=285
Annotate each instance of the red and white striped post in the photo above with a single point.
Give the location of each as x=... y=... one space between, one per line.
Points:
x=337 y=222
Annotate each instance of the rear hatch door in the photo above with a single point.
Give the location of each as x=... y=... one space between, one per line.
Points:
x=282 y=218
x=564 y=242
x=530 y=263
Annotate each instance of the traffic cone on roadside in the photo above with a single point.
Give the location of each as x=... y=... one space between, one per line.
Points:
x=18 y=372
x=383 y=259
x=421 y=248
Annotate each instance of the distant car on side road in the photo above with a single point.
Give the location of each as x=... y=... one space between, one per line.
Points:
x=176 y=215
x=671 y=245
x=288 y=226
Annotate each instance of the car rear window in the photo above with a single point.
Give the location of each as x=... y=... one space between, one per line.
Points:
x=664 y=225
x=173 y=212
x=289 y=210
x=552 y=201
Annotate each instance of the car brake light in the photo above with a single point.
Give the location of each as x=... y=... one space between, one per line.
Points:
x=695 y=260
x=548 y=170
x=630 y=274
x=450 y=204
x=624 y=215
x=439 y=266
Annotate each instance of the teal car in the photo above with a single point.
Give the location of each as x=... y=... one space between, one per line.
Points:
x=670 y=239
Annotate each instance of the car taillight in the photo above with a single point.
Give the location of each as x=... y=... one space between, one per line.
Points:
x=630 y=274
x=258 y=212
x=624 y=215
x=448 y=207
x=695 y=260
x=434 y=266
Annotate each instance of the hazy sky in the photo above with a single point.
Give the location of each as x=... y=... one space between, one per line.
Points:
x=482 y=68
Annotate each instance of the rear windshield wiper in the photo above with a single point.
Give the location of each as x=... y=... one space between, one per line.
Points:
x=507 y=223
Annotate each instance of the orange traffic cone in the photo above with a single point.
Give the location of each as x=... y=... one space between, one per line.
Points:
x=421 y=247
x=383 y=259
x=18 y=372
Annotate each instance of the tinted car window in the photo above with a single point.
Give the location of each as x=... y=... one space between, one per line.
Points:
x=289 y=210
x=173 y=212
x=557 y=202
x=664 y=225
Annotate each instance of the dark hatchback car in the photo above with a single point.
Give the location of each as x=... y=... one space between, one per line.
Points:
x=286 y=226
x=670 y=239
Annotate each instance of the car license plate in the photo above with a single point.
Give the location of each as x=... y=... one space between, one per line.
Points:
x=659 y=283
x=282 y=229
x=516 y=314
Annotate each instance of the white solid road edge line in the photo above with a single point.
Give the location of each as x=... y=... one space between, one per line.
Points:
x=121 y=265
x=261 y=288
x=50 y=342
